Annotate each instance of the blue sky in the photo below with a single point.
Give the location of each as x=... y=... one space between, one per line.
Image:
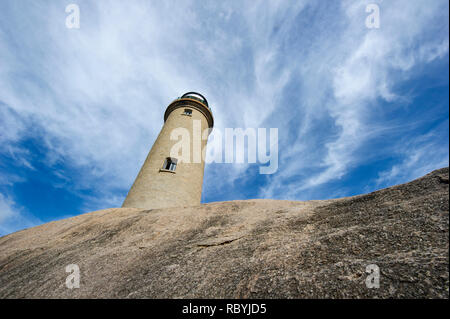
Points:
x=356 y=109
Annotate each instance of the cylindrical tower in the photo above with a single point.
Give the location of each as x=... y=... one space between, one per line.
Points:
x=166 y=180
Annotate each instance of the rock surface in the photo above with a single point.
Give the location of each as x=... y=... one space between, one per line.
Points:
x=243 y=249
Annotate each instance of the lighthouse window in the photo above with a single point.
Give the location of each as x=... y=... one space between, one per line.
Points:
x=170 y=164
x=187 y=112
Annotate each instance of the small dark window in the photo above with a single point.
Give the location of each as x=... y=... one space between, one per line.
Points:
x=187 y=112
x=170 y=164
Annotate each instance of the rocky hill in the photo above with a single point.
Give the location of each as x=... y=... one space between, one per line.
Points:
x=243 y=249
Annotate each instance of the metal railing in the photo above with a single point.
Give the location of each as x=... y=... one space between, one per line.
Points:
x=193 y=98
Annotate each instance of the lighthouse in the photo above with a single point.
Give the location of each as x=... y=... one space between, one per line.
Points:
x=168 y=180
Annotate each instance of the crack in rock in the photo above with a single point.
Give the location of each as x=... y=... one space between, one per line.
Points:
x=443 y=179
x=221 y=243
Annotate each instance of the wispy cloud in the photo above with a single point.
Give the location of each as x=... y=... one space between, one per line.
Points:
x=12 y=218
x=363 y=69
x=417 y=157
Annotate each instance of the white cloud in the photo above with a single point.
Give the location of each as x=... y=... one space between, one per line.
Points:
x=12 y=218
x=362 y=68
x=418 y=157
